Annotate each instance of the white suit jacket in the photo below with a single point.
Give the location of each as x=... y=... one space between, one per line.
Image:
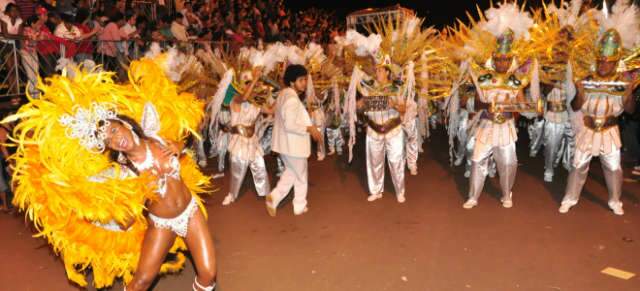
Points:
x=290 y=136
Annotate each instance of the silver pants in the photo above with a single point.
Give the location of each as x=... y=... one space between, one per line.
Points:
x=559 y=143
x=612 y=174
x=322 y=149
x=468 y=152
x=265 y=141
x=280 y=165
x=506 y=162
x=335 y=140
x=201 y=156
x=462 y=137
x=390 y=148
x=222 y=144
x=411 y=146
x=258 y=170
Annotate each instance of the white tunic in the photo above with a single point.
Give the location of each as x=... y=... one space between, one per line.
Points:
x=600 y=105
x=382 y=116
x=245 y=148
x=557 y=95
x=497 y=134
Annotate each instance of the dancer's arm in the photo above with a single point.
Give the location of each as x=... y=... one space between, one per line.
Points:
x=578 y=101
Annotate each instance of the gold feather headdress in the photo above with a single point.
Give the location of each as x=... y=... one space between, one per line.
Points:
x=563 y=34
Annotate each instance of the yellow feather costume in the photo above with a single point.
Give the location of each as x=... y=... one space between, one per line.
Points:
x=52 y=171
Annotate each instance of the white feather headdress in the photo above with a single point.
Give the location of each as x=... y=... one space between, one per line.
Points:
x=625 y=19
x=507 y=16
x=568 y=13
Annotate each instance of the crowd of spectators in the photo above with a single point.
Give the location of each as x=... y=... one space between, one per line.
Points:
x=107 y=31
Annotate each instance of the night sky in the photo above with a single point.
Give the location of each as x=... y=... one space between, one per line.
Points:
x=431 y=10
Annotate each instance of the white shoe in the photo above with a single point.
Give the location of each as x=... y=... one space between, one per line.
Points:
x=617 y=209
x=548 y=177
x=321 y=158
x=305 y=210
x=470 y=204
x=457 y=162
x=467 y=174
x=401 y=198
x=202 y=163
x=413 y=172
x=374 y=197
x=564 y=208
x=228 y=200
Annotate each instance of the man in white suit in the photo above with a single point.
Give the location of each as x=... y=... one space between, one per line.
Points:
x=292 y=128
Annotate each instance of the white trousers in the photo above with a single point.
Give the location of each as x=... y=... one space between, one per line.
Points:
x=506 y=162
x=391 y=149
x=294 y=176
x=612 y=174
x=412 y=141
x=258 y=170
x=222 y=144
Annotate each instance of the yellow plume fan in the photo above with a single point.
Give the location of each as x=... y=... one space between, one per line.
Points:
x=52 y=172
x=148 y=83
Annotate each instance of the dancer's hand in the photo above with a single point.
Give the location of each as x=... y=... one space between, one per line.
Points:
x=315 y=134
x=172 y=149
x=401 y=107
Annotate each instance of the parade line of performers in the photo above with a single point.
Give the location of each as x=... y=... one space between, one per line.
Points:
x=110 y=173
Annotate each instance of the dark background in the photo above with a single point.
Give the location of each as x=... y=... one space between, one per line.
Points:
x=437 y=12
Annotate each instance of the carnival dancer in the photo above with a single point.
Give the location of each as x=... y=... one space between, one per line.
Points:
x=395 y=49
x=412 y=137
x=602 y=96
x=500 y=83
x=335 y=122
x=244 y=147
x=571 y=35
x=90 y=205
x=315 y=107
x=385 y=139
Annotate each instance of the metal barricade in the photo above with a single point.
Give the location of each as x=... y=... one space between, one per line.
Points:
x=10 y=84
x=21 y=66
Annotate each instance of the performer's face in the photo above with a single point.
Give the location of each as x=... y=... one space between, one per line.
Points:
x=119 y=138
x=502 y=64
x=606 y=68
x=382 y=75
x=300 y=85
